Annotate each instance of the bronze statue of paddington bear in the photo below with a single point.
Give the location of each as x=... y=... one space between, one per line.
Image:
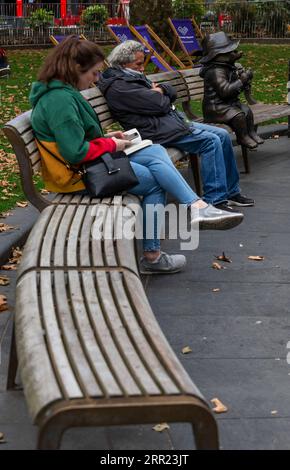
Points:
x=223 y=82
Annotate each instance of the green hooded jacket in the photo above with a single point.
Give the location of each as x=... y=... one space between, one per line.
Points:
x=62 y=116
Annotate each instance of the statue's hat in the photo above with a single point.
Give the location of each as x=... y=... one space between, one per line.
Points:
x=215 y=44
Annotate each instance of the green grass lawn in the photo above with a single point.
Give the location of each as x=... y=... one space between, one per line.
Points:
x=269 y=62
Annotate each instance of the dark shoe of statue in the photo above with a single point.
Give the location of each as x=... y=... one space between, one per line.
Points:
x=256 y=138
x=240 y=127
x=247 y=141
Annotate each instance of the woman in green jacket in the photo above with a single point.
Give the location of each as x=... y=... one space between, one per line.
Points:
x=66 y=125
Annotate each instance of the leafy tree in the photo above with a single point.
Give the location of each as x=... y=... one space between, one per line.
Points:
x=154 y=13
x=188 y=8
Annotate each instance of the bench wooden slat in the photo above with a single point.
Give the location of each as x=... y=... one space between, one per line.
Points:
x=97 y=242
x=73 y=237
x=100 y=109
x=55 y=346
x=124 y=247
x=60 y=248
x=86 y=236
x=105 y=336
x=141 y=342
x=123 y=342
x=63 y=292
x=35 y=161
x=28 y=136
x=49 y=237
x=105 y=123
x=34 y=362
x=109 y=227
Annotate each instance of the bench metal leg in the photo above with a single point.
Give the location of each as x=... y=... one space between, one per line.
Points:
x=13 y=363
x=81 y=413
x=49 y=437
x=205 y=431
x=194 y=164
x=288 y=133
x=245 y=159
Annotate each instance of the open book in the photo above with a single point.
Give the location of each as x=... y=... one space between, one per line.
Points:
x=136 y=143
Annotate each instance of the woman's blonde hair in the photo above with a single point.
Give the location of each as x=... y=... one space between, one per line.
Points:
x=70 y=58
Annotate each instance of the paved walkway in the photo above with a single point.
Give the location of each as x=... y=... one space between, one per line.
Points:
x=238 y=335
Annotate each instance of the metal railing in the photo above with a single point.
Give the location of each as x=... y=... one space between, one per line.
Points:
x=24 y=37
x=16 y=31
x=73 y=8
x=243 y=19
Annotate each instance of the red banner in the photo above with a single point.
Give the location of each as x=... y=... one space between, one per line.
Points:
x=62 y=8
x=19 y=8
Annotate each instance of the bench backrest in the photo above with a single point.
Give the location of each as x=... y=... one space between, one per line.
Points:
x=20 y=134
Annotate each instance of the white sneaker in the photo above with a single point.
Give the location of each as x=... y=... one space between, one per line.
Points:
x=211 y=218
x=166 y=264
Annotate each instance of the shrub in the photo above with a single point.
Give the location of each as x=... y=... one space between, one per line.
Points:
x=94 y=15
x=40 y=18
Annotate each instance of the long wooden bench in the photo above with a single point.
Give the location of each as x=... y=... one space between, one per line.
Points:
x=90 y=350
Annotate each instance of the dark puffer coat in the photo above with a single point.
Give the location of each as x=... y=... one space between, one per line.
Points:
x=222 y=87
x=133 y=103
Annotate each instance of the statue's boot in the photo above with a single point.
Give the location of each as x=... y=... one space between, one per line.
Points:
x=251 y=128
x=239 y=126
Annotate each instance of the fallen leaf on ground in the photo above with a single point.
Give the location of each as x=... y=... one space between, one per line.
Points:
x=5 y=227
x=44 y=191
x=8 y=267
x=3 y=303
x=161 y=427
x=22 y=204
x=223 y=257
x=256 y=258
x=2 y=438
x=219 y=406
x=217 y=266
x=4 y=281
x=274 y=412
x=4 y=214
x=216 y=290
x=186 y=350
x=16 y=256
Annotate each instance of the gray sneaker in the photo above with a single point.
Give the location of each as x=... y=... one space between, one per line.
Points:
x=211 y=218
x=167 y=264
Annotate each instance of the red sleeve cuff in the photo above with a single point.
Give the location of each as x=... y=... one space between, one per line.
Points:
x=98 y=147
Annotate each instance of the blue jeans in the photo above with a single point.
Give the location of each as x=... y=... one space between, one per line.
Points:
x=219 y=171
x=157 y=175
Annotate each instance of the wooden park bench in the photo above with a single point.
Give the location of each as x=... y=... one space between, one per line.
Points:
x=193 y=90
x=90 y=350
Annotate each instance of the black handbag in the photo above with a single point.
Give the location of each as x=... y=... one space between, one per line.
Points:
x=106 y=176
x=109 y=174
